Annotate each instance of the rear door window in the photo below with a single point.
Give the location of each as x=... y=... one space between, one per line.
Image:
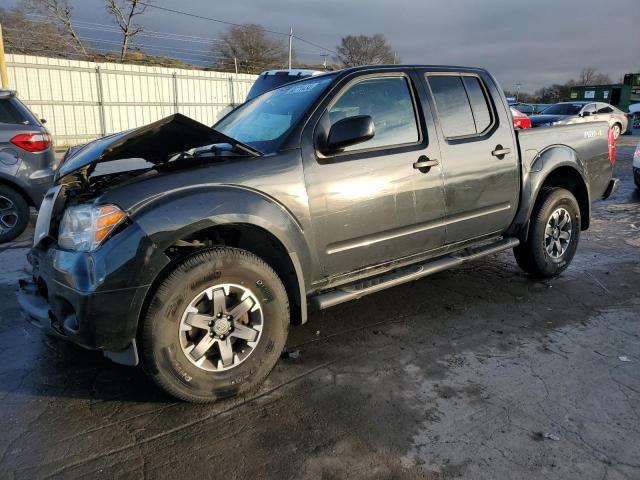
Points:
x=604 y=108
x=462 y=104
x=479 y=105
x=12 y=112
x=454 y=109
x=388 y=101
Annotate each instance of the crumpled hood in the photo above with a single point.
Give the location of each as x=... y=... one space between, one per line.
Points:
x=544 y=119
x=156 y=143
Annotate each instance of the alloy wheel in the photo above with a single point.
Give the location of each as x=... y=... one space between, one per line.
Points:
x=221 y=327
x=616 y=131
x=557 y=234
x=8 y=214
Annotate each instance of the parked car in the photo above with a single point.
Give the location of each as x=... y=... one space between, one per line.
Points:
x=636 y=166
x=520 y=120
x=567 y=113
x=634 y=115
x=319 y=192
x=26 y=164
x=529 y=108
x=271 y=79
x=524 y=108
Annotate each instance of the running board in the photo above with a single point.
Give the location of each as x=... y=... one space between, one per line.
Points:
x=410 y=273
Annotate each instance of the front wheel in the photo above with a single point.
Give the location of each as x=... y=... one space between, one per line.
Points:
x=554 y=233
x=216 y=326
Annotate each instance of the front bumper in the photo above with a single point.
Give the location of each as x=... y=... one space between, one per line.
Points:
x=93 y=299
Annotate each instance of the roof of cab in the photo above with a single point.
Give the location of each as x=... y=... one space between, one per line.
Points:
x=292 y=72
x=7 y=93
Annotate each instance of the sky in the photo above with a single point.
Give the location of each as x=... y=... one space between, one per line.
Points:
x=534 y=42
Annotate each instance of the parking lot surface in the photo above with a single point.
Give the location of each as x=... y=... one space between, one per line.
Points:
x=478 y=372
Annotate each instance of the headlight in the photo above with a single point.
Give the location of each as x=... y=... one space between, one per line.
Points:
x=84 y=227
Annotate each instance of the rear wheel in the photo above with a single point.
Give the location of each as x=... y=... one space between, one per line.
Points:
x=216 y=326
x=617 y=129
x=554 y=233
x=14 y=213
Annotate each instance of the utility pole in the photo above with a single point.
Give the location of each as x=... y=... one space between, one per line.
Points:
x=235 y=61
x=324 y=62
x=517 y=85
x=395 y=55
x=290 y=45
x=3 y=64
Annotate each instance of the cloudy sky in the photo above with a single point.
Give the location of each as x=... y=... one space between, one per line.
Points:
x=536 y=42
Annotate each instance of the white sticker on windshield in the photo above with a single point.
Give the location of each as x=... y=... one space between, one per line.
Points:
x=306 y=87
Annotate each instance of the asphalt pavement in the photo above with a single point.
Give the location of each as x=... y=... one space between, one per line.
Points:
x=477 y=372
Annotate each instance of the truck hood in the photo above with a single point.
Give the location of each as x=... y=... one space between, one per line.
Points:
x=537 y=120
x=156 y=143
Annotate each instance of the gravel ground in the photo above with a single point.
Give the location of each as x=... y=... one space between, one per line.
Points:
x=478 y=372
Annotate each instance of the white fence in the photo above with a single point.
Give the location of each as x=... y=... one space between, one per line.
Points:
x=85 y=100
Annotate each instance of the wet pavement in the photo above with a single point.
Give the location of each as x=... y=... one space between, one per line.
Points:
x=478 y=372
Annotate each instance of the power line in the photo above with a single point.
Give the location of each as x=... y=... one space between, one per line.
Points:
x=202 y=17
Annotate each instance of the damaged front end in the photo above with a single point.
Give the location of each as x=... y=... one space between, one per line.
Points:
x=159 y=143
x=92 y=264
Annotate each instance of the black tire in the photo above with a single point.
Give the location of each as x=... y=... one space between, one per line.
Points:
x=162 y=354
x=532 y=256
x=14 y=213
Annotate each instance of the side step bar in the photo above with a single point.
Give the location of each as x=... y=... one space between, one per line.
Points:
x=410 y=273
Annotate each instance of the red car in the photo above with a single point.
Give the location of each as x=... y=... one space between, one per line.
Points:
x=520 y=120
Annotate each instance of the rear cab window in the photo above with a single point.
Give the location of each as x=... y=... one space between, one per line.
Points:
x=462 y=104
x=13 y=112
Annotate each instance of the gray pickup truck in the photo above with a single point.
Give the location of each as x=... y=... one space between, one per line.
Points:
x=193 y=259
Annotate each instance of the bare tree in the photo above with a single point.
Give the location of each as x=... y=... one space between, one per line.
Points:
x=58 y=11
x=123 y=12
x=591 y=76
x=365 y=50
x=27 y=37
x=251 y=46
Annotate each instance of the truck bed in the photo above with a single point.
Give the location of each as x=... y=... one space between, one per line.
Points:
x=588 y=140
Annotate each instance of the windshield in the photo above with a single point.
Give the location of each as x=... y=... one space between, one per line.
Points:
x=263 y=122
x=563 y=109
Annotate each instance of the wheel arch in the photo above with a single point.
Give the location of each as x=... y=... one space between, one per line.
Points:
x=181 y=223
x=557 y=166
x=258 y=241
x=18 y=188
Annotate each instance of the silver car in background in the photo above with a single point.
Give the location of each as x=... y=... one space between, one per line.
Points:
x=566 y=113
x=26 y=164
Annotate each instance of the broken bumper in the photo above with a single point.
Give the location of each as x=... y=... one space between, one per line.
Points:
x=92 y=299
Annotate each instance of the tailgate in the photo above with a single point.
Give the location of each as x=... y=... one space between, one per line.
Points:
x=588 y=140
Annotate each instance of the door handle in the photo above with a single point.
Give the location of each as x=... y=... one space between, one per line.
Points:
x=425 y=163
x=500 y=152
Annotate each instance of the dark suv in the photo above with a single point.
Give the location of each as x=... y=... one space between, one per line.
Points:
x=26 y=164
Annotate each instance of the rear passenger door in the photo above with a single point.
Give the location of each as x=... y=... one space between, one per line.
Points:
x=479 y=156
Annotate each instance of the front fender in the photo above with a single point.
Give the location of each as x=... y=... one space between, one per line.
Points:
x=179 y=213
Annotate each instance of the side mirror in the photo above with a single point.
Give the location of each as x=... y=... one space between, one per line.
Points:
x=350 y=131
x=43 y=121
x=585 y=114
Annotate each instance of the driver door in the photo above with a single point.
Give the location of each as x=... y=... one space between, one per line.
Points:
x=368 y=204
